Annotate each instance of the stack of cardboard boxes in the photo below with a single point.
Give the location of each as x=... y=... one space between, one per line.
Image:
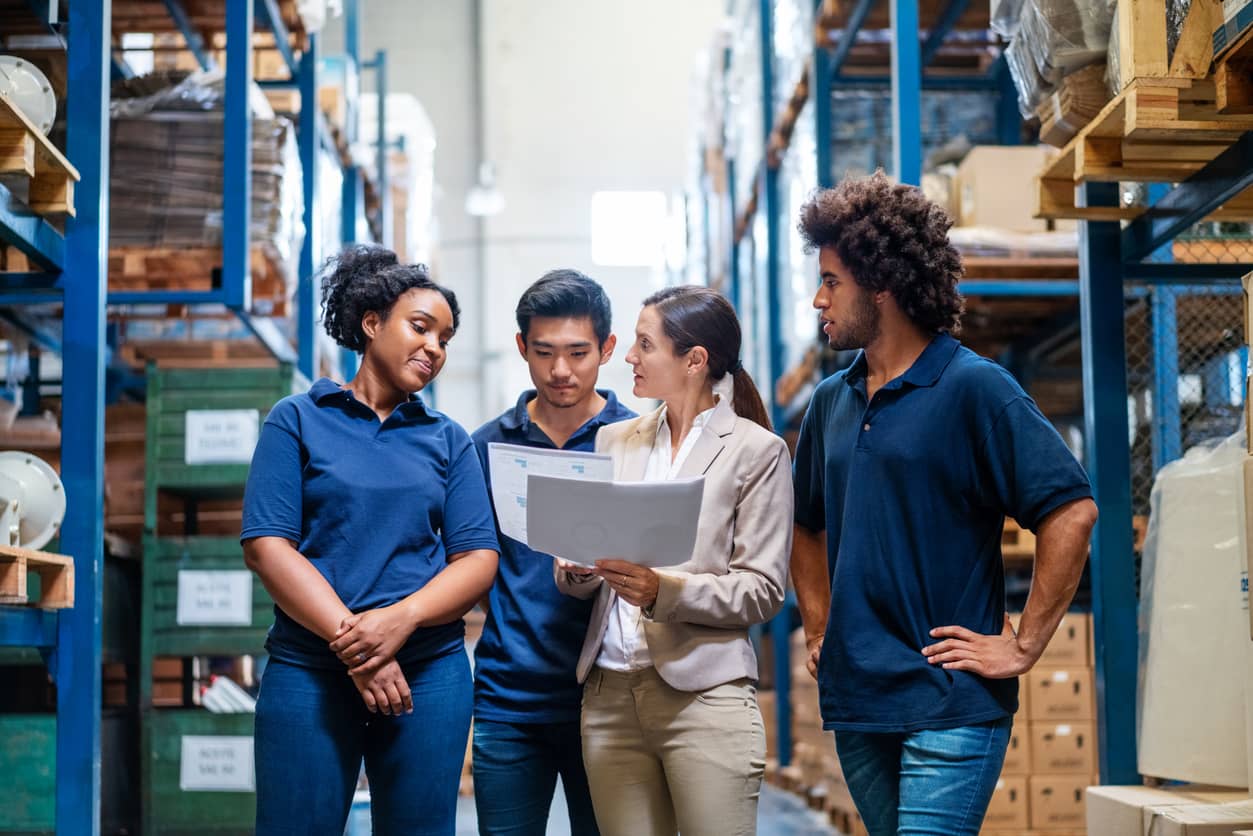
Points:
x=1052 y=755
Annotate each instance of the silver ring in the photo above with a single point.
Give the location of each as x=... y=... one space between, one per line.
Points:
x=361 y=657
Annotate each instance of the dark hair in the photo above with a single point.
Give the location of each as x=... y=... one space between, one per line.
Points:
x=697 y=316
x=565 y=293
x=366 y=278
x=891 y=237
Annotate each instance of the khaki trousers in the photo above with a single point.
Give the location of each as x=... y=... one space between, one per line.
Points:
x=661 y=761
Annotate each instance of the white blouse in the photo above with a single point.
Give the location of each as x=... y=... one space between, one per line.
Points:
x=625 y=649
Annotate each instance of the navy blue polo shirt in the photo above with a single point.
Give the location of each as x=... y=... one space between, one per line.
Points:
x=376 y=506
x=524 y=664
x=912 y=490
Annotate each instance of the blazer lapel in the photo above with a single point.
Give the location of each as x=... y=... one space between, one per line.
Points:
x=638 y=447
x=711 y=442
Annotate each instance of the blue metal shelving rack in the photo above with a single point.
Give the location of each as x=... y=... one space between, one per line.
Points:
x=74 y=266
x=73 y=274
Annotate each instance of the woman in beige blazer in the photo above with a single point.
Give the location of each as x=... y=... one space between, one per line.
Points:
x=673 y=739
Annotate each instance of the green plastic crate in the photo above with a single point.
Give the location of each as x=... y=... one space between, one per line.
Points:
x=170 y=809
x=28 y=757
x=174 y=392
x=164 y=558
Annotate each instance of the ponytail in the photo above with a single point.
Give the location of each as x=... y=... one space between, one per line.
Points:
x=746 y=400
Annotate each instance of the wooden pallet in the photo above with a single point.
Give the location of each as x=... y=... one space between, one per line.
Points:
x=192 y=268
x=1159 y=130
x=56 y=577
x=26 y=156
x=1233 y=77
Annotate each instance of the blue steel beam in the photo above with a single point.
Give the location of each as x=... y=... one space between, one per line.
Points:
x=1194 y=274
x=1226 y=176
x=270 y=336
x=28 y=627
x=272 y=18
x=1018 y=287
x=191 y=37
x=76 y=661
x=772 y=214
x=1008 y=117
x=771 y=208
x=119 y=70
x=820 y=93
x=48 y=12
x=37 y=334
x=948 y=19
x=379 y=65
x=848 y=38
x=307 y=139
x=167 y=297
x=237 y=163
x=1167 y=427
x=906 y=93
x=1101 y=304
x=34 y=237
x=21 y=282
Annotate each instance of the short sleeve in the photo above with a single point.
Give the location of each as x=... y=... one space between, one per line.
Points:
x=807 y=470
x=468 y=521
x=273 y=495
x=1026 y=470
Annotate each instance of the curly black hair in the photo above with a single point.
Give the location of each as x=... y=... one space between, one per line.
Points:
x=891 y=237
x=366 y=278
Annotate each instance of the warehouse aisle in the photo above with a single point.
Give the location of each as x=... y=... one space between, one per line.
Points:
x=780 y=814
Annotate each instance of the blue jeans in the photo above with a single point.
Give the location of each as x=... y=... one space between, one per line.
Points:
x=515 y=774
x=927 y=782
x=313 y=731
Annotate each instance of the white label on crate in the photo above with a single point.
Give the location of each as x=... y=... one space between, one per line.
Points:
x=1061 y=676
x=220 y=436
x=216 y=763
x=1062 y=731
x=222 y=597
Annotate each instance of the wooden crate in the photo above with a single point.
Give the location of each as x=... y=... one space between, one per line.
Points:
x=1233 y=77
x=1142 y=47
x=1017 y=543
x=1154 y=131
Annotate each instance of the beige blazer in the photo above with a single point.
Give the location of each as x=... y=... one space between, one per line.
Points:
x=698 y=633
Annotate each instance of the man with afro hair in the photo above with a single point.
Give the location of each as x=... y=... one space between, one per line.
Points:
x=907 y=464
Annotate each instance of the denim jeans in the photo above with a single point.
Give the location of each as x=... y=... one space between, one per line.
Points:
x=313 y=731
x=515 y=774
x=927 y=782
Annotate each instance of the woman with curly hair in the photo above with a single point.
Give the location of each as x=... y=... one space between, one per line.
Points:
x=367 y=520
x=908 y=462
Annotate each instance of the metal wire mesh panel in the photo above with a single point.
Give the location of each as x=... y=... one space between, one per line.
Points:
x=1186 y=357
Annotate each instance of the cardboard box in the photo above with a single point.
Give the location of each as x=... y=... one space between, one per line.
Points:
x=1201 y=819
x=1060 y=694
x=1129 y=811
x=1069 y=646
x=1008 y=807
x=1064 y=748
x=1057 y=801
x=996 y=187
x=1024 y=702
x=1018 y=755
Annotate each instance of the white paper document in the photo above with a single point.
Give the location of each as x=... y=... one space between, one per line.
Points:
x=511 y=464
x=649 y=523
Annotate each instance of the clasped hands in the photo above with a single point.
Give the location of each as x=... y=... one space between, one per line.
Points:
x=367 y=642
x=635 y=584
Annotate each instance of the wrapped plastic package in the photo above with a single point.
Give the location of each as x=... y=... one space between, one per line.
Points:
x=1056 y=38
x=1005 y=16
x=1194 y=627
x=793 y=45
x=166 y=176
x=411 y=171
x=745 y=143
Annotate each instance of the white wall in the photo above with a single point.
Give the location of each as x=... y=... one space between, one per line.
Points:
x=580 y=95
